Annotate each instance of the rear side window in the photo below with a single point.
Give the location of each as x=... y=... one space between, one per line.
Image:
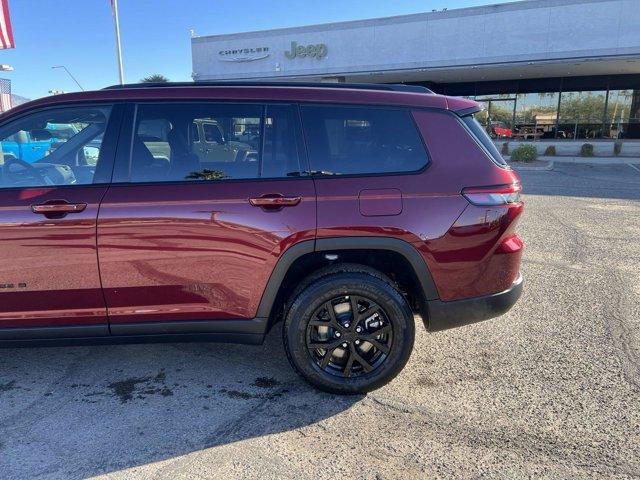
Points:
x=484 y=139
x=362 y=140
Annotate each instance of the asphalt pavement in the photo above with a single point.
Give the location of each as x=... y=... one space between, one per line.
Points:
x=549 y=390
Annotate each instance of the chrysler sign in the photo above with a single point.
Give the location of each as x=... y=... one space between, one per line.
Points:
x=243 y=54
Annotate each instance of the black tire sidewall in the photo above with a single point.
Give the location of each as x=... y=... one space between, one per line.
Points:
x=327 y=288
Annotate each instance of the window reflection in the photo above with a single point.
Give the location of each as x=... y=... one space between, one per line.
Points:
x=536 y=115
x=497 y=116
x=581 y=114
x=568 y=115
x=623 y=114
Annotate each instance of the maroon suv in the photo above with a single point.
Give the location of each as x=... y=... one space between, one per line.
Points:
x=213 y=211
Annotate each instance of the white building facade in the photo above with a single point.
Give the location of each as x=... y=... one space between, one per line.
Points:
x=561 y=69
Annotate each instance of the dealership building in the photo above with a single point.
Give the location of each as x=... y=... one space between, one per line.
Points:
x=545 y=69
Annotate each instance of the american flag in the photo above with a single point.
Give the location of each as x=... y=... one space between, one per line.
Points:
x=5 y=95
x=6 y=32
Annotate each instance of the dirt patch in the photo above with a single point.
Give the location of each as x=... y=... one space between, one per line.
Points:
x=140 y=387
x=265 y=382
x=250 y=396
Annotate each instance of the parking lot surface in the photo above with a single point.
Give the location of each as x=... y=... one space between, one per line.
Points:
x=550 y=390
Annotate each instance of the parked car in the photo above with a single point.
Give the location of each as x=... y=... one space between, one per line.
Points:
x=361 y=207
x=28 y=146
x=209 y=141
x=499 y=130
x=32 y=145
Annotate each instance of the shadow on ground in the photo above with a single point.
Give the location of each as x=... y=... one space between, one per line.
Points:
x=76 y=412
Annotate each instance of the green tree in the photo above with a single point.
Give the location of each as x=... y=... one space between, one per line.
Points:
x=583 y=108
x=155 y=78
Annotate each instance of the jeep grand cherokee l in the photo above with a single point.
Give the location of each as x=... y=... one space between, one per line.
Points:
x=359 y=207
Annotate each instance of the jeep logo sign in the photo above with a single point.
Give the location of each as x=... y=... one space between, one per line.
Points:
x=318 y=51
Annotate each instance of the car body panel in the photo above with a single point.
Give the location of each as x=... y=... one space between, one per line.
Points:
x=48 y=267
x=190 y=251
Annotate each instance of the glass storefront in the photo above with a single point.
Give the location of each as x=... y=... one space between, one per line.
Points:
x=595 y=114
x=581 y=115
x=536 y=115
x=623 y=114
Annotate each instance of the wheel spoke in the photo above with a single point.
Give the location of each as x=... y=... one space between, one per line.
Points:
x=355 y=317
x=349 y=365
x=333 y=321
x=330 y=345
x=365 y=365
x=316 y=322
x=327 y=357
x=380 y=331
x=380 y=346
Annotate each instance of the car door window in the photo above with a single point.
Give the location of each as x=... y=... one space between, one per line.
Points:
x=52 y=147
x=239 y=141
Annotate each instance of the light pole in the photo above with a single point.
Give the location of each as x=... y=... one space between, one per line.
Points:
x=68 y=72
x=116 y=21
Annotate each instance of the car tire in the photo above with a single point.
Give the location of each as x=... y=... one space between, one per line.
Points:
x=360 y=356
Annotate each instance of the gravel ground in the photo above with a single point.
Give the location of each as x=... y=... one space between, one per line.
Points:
x=550 y=390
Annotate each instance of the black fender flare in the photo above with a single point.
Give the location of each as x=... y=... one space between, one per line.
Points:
x=296 y=251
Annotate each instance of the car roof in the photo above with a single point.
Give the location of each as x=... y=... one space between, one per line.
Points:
x=367 y=94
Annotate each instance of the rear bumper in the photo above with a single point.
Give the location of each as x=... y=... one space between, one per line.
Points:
x=443 y=315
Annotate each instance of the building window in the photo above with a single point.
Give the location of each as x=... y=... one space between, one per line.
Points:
x=623 y=114
x=536 y=116
x=497 y=116
x=581 y=115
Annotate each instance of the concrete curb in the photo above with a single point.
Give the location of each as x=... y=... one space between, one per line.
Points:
x=597 y=160
x=589 y=160
x=523 y=167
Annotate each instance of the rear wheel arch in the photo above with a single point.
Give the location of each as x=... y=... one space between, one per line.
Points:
x=303 y=260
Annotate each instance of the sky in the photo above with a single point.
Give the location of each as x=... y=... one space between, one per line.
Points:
x=155 y=34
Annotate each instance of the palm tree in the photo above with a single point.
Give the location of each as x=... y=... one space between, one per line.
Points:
x=155 y=78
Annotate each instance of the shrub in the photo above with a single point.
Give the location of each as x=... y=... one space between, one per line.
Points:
x=524 y=153
x=550 y=151
x=505 y=148
x=586 y=150
x=617 y=147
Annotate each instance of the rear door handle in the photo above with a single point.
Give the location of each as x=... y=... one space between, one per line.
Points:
x=274 y=201
x=58 y=208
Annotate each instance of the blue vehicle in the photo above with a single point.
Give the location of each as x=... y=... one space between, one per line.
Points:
x=31 y=146
x=27 y=146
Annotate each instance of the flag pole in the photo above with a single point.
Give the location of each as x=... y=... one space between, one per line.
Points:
x=116 y=18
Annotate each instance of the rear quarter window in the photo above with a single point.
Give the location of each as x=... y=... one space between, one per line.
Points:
x=362 y=140
x=481 y=135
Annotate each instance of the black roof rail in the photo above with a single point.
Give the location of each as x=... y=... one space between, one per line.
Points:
x=361 y=86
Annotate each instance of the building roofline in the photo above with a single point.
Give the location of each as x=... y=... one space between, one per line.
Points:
x=411 y=17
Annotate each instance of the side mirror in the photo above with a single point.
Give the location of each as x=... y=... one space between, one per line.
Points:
x=40 y=135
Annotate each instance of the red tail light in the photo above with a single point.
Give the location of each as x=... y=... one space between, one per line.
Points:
x=495 y=195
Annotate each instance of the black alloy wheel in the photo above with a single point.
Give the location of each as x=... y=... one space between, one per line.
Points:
x=349 y=336
x=349 y=332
